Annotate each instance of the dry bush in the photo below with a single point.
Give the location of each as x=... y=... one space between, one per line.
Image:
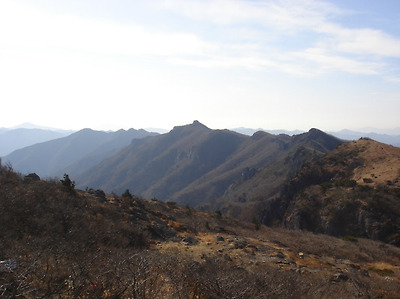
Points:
x=365 y=250
x=70 y=245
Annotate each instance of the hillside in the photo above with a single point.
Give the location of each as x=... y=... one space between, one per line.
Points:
x=353 y=190
x=258 y=169
x=161 y=165
x=73 y=153
x=193 y=164
x=60 y=242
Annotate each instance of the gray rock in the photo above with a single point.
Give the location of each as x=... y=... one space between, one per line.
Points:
x=32 y=177
x=220 y=239
x=190 y=240
x=339 y=277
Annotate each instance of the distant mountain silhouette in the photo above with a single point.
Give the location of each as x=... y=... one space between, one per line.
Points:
x=354 y=135
x=249 y=131
x=73 y=153
x=13 y=139
x=391 y=139
x=196 y=165
x=27 y=125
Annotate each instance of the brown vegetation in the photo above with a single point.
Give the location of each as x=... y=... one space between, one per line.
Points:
x=61 y=244
x=329 y=196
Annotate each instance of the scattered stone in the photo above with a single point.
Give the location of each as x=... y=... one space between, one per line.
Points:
x=365 y=273
x=161 y=231
x=301 y=255
x=240 y=244
x=354 y=266
x=278 y=255
x=8 y=265
x=252 y=247
x=227 y=257
x=279 y=243
x=99 y=194
x=339 y=277
x=297 y=270
x=285 y=262
x=190 y=240
x=220 y=239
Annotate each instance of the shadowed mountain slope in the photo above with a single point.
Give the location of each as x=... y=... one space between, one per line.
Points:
x=257 y=169
x=193 y=164
x=161 y=165
x=353 y=190
x=73 y=153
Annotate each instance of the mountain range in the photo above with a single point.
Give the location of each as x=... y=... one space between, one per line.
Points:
x=28 y=134
x=201 y=167
x=354 y=135
x=17 y=138
x=392 y=139
x=73 y=153
x=306 y=181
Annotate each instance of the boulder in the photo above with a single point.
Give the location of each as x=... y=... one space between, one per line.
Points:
x=32 y=177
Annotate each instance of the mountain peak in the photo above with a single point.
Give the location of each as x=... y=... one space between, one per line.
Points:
x=315 y=131
x=195 y=125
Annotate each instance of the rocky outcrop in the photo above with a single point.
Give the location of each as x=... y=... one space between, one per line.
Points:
x=324 y=197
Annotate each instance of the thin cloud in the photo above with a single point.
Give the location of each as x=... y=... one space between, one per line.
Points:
x=226 y=62
x=330 y=47
x=364 y=41
x=260 y=64
x=326 y=61
x=281 y=14
x=393 y=79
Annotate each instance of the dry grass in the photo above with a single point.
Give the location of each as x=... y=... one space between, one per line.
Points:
x=72 y=245
x=381 y=162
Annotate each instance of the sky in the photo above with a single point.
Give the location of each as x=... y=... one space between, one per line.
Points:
x=281 y=64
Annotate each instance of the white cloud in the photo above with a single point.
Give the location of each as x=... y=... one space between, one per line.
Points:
x=326 y=61
x=330 y=46
x=360 y=41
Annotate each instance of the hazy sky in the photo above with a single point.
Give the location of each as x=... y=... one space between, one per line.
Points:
x=290 y=64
